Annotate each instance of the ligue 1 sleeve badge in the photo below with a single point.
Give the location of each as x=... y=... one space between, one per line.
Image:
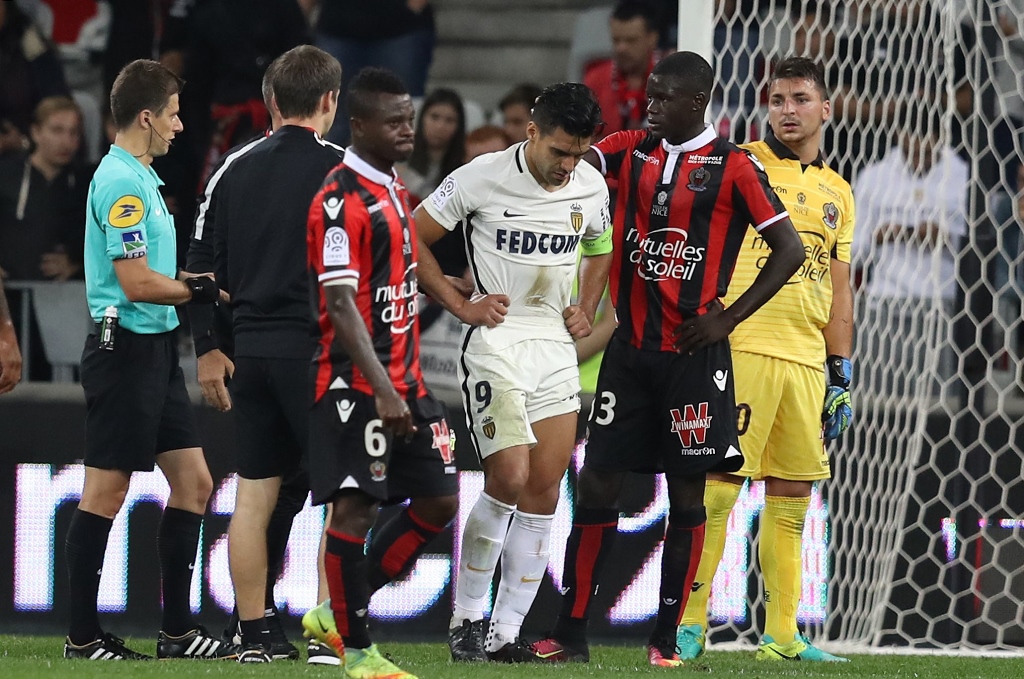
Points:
x=831 y=216
x=699 y=179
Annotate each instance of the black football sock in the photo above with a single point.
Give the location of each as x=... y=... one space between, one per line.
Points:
x=345 y=564
x=255 y=633
x=84 y=548
x=395 y=547
x=684 y=542
x=177 y=541
x=593 y=534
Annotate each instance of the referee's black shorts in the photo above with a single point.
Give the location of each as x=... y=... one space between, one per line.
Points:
x=271 y=398
x=136 y=404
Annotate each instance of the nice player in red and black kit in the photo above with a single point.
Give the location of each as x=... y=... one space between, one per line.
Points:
x=376 y=433
x=665 y=400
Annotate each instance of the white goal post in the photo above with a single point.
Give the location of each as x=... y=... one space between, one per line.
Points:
x=925 y=513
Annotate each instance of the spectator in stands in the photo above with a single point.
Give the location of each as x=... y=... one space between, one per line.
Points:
x=42 y=208
x=620 y=83
x=910 y=220
x=395 y=34
x=882 y=71
x=515 y=109
x=231 y=43
x=29 y=72
x=741 y=67
x=440 y=145
x=42 y=198
x=486 y=139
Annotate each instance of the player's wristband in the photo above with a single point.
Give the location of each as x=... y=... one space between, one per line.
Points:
x=204 y=290
x=840 y=371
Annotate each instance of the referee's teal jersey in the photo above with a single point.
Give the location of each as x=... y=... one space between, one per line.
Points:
x=125 y=218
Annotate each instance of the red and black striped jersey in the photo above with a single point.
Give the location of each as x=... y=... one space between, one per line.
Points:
x=361 y=233
x=680 y=217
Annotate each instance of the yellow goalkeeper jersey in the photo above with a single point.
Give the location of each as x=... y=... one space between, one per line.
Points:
x=820 y=203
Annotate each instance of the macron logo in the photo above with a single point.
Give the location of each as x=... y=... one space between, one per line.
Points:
x=332 y=206
x=720 y=378
x=646 y=158
x=345 y=408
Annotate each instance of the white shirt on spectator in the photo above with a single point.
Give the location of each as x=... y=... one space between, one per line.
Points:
x=891 y=192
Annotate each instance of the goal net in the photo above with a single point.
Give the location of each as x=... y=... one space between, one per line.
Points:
x=918 y=540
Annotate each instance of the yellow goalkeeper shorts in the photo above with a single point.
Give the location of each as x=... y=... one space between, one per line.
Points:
x=778 y=406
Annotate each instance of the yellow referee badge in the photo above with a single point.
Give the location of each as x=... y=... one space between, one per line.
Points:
x=127 y=211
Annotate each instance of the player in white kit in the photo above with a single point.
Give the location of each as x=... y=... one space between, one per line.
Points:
x=526 y=212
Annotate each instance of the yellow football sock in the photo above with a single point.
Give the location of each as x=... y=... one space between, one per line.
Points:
x=782 y=529
x=719 y=498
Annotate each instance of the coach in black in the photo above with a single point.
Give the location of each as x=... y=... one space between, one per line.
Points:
x=137 y=410
x=665 y=400
x=259 y=240
x=214 y=346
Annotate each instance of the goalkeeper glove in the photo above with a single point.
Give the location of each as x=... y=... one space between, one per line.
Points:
x=837 y=413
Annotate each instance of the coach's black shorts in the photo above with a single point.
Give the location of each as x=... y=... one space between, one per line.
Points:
x=350 y=449
x=136 y=405
x=657 y=411
x=270 y=398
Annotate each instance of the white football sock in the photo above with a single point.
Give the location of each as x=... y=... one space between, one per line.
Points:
x=482 y=540
x=523 y=562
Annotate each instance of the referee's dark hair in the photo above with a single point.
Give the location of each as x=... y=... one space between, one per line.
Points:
x=801 y=68
x=142 y=85
x=303 y=75
x=688 y=69
x=363 y=89
x=569 y=106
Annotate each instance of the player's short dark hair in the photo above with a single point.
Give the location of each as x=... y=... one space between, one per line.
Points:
x=801 y=68
x=689 y=69
x=523 y=94
x=304 y=74
x=627 y=10
x=366 y=85
x=142 y=85
x=569 y=106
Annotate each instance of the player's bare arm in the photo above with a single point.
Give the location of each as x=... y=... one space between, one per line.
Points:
x=351 y=331
x=486 y=310
x=10 y=356
x=839 y=330
x=787 y=254
x=593 y=277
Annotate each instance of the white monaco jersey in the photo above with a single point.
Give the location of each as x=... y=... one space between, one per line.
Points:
x=521 y=240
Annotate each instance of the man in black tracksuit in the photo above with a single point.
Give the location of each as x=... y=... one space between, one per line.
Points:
x=258 y=232
x=214 y=347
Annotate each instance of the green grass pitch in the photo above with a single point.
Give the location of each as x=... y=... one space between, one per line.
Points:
x=32 y=656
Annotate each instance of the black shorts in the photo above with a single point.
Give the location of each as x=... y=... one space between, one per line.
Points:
x=350 y=449
x=136 y=404
x=270 y=398
x=657 y=411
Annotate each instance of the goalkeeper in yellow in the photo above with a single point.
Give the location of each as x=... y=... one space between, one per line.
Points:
x=791 y=363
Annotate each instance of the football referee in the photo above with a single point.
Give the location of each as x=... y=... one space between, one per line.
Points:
x=137 y=410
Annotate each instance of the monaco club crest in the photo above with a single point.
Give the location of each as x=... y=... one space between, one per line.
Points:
x=576 y=216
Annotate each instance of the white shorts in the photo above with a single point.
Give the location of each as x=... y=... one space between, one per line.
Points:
x=503 y=393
